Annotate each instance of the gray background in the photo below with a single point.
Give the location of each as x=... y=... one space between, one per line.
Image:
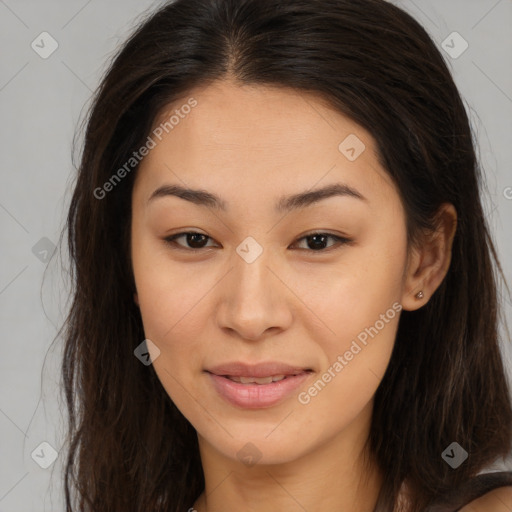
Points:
x=42 y=101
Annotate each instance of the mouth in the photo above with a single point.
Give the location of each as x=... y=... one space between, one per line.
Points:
x=261 y=380
x=264 y=370
x=241 y=388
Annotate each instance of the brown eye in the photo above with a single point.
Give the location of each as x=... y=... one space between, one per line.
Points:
x=316 y=242
x=195 y=240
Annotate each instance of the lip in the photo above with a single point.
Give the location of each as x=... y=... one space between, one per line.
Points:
x=266 y=369
x=256 y=396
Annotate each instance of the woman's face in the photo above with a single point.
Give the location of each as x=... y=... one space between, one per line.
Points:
x=259 y=289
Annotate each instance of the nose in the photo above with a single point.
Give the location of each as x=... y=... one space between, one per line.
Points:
x=254 y=299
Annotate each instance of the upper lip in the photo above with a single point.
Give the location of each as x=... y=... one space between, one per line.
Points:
x=266 y=369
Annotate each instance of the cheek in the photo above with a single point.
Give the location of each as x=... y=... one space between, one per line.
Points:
x=359 y=308
x=173 y=318
x=172 y=305
x=354 y=365
x=169 y=293
x=347 y=297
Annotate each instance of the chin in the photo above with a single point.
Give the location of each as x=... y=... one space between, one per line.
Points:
x=259 y=448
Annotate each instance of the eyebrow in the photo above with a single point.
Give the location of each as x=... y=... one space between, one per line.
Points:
x=202 y=197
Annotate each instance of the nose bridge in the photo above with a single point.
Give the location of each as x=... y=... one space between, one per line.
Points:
x=252 y=275
x=251 y=299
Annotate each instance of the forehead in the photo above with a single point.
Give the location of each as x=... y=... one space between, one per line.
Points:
x=257 y=117
x=259 y=138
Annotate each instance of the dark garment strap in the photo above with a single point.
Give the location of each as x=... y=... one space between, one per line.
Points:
x=471 y=490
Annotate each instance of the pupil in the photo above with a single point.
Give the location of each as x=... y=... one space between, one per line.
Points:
x=316 y=237
x=191 y=235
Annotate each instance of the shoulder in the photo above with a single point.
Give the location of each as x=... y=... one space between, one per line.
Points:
x=497 y=500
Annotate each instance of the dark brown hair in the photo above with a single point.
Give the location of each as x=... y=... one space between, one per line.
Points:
x=130 y=448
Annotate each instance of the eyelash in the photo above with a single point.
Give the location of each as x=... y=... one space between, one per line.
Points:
x=170 y=240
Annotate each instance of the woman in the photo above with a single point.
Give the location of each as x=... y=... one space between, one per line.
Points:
x=225 y=354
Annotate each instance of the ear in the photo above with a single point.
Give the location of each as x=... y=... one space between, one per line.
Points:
x=428 y=263
x=136 y=299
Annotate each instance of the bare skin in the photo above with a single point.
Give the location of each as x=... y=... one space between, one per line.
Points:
x=294 y=303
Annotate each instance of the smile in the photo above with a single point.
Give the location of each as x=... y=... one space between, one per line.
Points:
x=257 y=392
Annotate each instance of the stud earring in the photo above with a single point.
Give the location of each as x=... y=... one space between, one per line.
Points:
x=419 y=295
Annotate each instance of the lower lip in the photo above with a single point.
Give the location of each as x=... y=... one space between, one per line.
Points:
x=256 y=396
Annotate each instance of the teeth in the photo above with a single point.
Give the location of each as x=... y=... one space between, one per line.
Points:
x=257 y=380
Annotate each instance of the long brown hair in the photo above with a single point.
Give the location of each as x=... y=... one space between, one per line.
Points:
x=130 y=448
